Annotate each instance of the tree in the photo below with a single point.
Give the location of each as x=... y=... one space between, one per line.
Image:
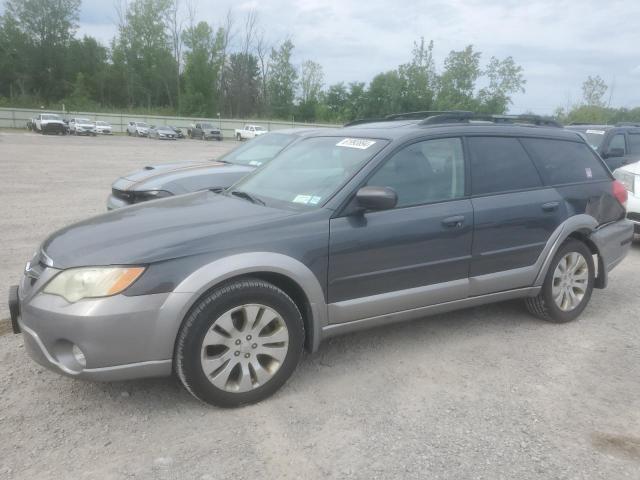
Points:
x=43 y=30
x=593 y=91
x=311 y=80
x=505 y=78
x=282 y=80
x=242 y=85
x=203 y=64
x=386 y=95
x=457 y=82
x=419 y=77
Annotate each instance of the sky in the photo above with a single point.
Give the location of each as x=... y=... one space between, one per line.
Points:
x=557 y=42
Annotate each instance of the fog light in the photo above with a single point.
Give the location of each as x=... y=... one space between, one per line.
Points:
x=79 y=356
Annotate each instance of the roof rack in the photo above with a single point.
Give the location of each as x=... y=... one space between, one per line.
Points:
x=627 y=124
x=470 y=117
x=420 y=115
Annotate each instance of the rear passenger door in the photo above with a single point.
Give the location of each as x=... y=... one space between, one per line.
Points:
x=515 y=214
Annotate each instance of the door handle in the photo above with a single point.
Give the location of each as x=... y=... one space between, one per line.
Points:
x=550 y=206
x=453 y=222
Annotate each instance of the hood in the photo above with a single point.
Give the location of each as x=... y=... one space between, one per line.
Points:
x=632 y=168
x=85 y=124
x=183 y=177
x=51 y=120
x=156 y=231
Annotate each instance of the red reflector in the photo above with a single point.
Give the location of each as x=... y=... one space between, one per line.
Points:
x=620 y=193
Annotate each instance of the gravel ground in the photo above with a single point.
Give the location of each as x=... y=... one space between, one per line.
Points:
x=485 y=393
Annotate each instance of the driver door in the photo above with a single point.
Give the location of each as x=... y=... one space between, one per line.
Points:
x=414 y=255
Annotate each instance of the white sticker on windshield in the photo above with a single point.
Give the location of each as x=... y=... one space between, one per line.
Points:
x=597 y=132
x=255 y=163
x=359 y=143
x=314 y=200
x=588 y=172
x=302 y=199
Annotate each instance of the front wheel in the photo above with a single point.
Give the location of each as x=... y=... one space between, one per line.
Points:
x=238 y=137
x=568 y=285
x=239 y=344
x=202 y=137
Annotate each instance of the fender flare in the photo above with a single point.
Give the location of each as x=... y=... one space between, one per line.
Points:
x=189 y=290
x=582 y=223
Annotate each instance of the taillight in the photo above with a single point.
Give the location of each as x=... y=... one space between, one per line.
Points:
x=620 y=193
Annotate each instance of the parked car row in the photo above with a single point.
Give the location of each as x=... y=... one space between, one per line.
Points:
x=298 y=236
x=51 y=123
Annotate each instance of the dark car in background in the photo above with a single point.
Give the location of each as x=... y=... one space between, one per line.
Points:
x=159 y=181
x=205 y=131
x=346 y=229
x=618 y=145
x=177 y=131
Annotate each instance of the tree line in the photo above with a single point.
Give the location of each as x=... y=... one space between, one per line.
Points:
x=163 y=60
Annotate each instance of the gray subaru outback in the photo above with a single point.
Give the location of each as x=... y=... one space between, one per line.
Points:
x=344 y=230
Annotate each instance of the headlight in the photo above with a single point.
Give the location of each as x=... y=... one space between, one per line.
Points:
x=141 y=196
x=90 y=282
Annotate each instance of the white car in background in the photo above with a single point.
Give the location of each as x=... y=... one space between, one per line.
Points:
x=249 y=131
x=82 y=126
x=49 y=123
x=138 y=129
x=629 y=176
x=103 y=128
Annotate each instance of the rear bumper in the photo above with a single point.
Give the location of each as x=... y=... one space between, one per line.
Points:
x=614 y=242
x=114 y=202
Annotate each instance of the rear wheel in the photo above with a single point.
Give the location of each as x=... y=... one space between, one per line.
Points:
x=568 y=285
x=239 y=344
x=238 y=137
x=202 y=137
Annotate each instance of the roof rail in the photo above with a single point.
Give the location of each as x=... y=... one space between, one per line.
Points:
x=628 y=124
x=420 y=115
x=470 y=117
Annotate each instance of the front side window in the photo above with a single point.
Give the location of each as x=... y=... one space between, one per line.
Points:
x=310 y=171
x=500 y=164
x=634 y=143
x=618 y=142
x=424 y=172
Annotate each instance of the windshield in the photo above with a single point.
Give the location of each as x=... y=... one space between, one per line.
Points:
x=258 y=150
x=83 y=120
x=102 y=124
x=259 y=129
x=142 y=124
x=50 y=116
x=207 y=125
x=310 y=171
x=593 y=136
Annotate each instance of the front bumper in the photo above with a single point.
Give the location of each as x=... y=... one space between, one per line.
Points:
x=121 y=337
x=114 y=202
x=213 y=135
x=633 y=211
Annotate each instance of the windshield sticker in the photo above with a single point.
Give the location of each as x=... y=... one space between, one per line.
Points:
x=359 y=143
x=302 y=199
x=255 y=163
x=597 y=132
x=314 y=200
x=588 y=172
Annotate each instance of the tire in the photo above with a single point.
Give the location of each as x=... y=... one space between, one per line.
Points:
x=238 y=137
x=203 y=137
x=544 y=305
x=235 y=306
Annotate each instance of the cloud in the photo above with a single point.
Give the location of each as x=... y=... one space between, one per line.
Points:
x=558 y=42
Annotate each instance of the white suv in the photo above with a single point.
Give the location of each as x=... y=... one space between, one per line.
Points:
x=138 y=129
x=629 y=176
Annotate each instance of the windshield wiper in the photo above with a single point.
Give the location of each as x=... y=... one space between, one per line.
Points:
x=247 y=196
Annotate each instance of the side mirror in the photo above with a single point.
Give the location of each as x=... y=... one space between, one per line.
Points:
x=615 y=152
x=376 y=198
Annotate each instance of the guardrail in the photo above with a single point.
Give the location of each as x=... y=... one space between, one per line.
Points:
x=18 y=117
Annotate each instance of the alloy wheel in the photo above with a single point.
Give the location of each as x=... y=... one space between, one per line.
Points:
x=244 y=348
x=570 y=281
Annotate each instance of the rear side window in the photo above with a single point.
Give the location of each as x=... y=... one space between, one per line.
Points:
x=618 y=142
x=634 y=143
x=562 y=162
x=500 y=164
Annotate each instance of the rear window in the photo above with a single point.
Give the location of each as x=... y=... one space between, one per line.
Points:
x=562 y=162
x=500 y=164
